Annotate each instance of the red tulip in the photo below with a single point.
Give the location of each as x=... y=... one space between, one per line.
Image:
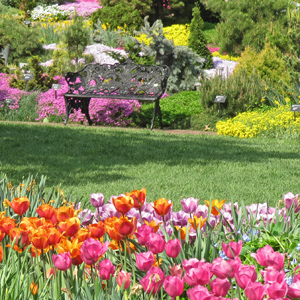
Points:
x=20 y=205
x=138 y=196
x=124 y=278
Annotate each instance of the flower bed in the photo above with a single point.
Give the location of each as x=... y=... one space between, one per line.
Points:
x=129 y=248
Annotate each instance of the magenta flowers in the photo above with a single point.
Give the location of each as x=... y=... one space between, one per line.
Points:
x=153 y=280
x=173 y=248
x=144 y=260
x=232 y=249
x=124 y=278
x=91 y=250
x=174 y=286
x=62 y=261
x=105 y=269
x=155 y=243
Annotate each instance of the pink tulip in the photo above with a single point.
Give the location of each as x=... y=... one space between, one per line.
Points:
x=189 y=205
x=262 y=254
x=235 y=265
x=174 y=286
x=153 y=280
x=155 y=243
x=176 y=270
x=289 y=199
x=294 y=290
x=97 y=200
x=277 y=290
x=198 y=276
x=221 y=268
x=124 y=277
x=296 y=274
x=245 y=275
x=105 y=269
x=91 y=250
x=142 y=233
x=199 y=293
x=233 y=249
x=220 y=287
x=62 y=261
x=271 y=275
x=275 y=260
x=255 y=291
x=144 y=260
x=173 y=248
x=188 y=264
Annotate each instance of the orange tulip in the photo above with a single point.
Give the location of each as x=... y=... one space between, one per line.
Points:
x=6 y=224
x=45 y=211
x=34 y=288
x=34 y=251
x=73 y=247
x=82 y=235
x=198 y=221
x=64 y=213
x=123 y=204
x=1 y=253
x=110 y=229
x=162 y=206
x=153 y=225
x=69 y=227
x=97 y=230
x=124 y=226
x=40 y=238
x=19 y=205
x=50 y=272
x=21 y=236
x=2 y=235
x=138 y=196
x=215 y=204
x=54 y=236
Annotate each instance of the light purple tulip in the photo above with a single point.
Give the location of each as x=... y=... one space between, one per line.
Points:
x=97 y=200
x=189 y=205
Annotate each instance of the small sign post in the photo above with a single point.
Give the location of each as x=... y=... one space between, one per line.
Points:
x=294 y=108
x=9 y=101
x=23 y=65
x=220 y=99
x=56 y=87
x=27 y=77
x=27 y=22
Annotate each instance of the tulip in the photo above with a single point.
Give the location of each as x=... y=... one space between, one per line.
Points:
x=233 y=249
x=85 y=216
x=153 y=280
x=40 y=239
x=196 y=222
x=62 y=261
x=176 y=270
x=50 y=272
x=64 y=213
x=144 y=260
x=262 y=254
x=97 y=200
x=255 y=291
x=189 y=205
x=21 y=237
x=174 y=286
x=54 y=236
x=110 y=229
x=200 y=275
x=272 y=275
x=188 y=264
x=69 y=227
x=91 y=250
x=277 y=290
x=155 y=243
x=97 y=230
x=124 y=278
x=162 y=206
x=235 y=265
x=220 y=287
x=105 y=269
x=275 y=260
x=1 y=253
x=199 y=293
x=294 y=290
x=124 y=226
x=123 y=204
x=289 y=199
x=6 y=224
x=45 y=211
x=245 y=275
x=215 y=204
x=221 y=268
x=138 y=196
x=2 y=235
x=34 y=287
x=20 y=205
x=142 y=234
x=173 y=248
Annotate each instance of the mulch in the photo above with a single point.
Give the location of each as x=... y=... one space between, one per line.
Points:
x=171 y=131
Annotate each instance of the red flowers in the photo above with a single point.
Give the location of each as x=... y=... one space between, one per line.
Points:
x=19 y=205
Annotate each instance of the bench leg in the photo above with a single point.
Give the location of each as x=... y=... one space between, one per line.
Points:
x=155 y=111
x=67 y=104
x=85 y=109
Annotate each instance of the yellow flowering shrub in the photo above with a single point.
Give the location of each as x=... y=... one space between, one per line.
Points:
x=277 y=121
x=178 y=33
x=226 y=57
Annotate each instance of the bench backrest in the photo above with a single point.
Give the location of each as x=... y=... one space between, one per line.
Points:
x=119 y=79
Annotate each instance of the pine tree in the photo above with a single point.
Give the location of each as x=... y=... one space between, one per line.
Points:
x=197 y=40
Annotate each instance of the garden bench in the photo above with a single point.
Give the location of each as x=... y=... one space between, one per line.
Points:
x=118 y=81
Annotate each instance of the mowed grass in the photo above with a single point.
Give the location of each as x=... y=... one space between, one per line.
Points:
x=85 y=160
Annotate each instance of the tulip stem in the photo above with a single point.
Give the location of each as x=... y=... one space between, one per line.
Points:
x=44 y=265
x=132 y=265
x=141 y=216
x=125 y=254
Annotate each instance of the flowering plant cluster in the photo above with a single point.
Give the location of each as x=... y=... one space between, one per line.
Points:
x=136 y=248
x=277 y=121
x=50 y=13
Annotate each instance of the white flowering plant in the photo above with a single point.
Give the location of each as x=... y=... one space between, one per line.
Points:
x=50 y=13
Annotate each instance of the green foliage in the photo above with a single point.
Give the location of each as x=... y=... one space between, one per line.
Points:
x=197 y=40
x=118 y=15
x=244 y=92
x=7 y=10
x=22 y=40
x=40 y=82
x=185 y=65
x=76 y=37
x=251 y=22
x=204 y=121
x=176 y=110
x=269 y=65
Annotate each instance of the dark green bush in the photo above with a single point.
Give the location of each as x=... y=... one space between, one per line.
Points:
x=23 y=40
x=176 y=110
x=119 y=15
x=244 y=92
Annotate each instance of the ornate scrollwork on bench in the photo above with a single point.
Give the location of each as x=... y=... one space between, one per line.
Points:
x=118 y=81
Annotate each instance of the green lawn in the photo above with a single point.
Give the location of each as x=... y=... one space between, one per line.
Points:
x=88 y=160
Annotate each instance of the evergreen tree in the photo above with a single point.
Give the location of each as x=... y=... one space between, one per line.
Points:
x=197 y=41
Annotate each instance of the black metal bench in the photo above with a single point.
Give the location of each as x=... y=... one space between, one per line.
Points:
x=119 y=81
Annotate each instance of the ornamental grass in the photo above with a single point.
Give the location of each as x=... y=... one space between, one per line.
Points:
x=129 y=248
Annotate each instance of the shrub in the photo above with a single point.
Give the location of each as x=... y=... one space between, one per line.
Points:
x=243 y=91
x=275 y=122
x=22 y=40
x=197 y=41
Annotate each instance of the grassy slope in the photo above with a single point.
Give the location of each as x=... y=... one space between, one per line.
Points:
x=112 y=161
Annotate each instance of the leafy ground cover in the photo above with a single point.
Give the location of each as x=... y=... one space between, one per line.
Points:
x=85 y=160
